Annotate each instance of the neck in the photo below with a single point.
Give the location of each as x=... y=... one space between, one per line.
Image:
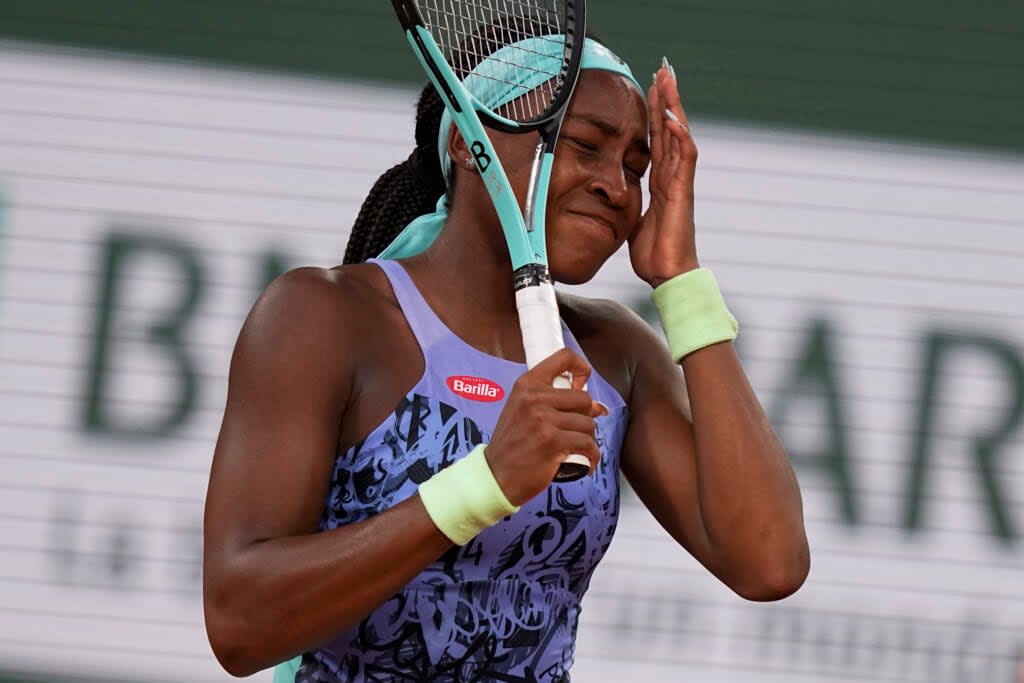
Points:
x=466 y=276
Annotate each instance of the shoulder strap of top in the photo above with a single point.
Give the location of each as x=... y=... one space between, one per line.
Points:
x=426 y=326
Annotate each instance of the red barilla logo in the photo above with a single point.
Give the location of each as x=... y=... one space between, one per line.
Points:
x=476 y=388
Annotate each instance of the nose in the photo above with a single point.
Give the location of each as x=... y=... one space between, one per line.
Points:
x=609 y=182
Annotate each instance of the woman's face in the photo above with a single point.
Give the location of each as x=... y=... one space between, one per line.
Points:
x=594 y=199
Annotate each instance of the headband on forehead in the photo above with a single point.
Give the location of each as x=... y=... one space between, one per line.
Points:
x=491 y=83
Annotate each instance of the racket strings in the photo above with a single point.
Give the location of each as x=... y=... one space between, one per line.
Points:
x=470 y=31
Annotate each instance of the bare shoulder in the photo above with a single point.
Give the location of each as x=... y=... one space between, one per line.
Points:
x=614 y=337
x=316 y=311
x=334 y=292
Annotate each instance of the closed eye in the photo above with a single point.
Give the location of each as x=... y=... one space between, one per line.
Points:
x=582 y=144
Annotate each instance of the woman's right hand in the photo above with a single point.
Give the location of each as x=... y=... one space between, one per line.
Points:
x=540 y=425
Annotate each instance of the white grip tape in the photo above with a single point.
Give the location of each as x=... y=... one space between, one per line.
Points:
x=542 y=335
x=538 y=320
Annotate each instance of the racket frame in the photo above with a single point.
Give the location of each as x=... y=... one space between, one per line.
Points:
x=523 y=229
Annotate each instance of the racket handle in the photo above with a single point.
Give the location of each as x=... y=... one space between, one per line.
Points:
x=542 y=336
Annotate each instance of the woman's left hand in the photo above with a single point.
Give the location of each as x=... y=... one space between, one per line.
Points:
x=663 y=245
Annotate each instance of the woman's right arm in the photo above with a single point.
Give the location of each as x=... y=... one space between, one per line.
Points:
x=272 y=586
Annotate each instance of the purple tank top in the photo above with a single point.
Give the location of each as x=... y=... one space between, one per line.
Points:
x=504 y=607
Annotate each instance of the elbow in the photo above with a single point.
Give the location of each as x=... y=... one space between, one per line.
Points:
x=779 y=581
x=230 y=639
x=229 y=654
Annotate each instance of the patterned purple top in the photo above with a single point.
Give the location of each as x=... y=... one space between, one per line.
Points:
x=504 y=607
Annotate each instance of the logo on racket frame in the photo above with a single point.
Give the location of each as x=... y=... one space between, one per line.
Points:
x=483 y=160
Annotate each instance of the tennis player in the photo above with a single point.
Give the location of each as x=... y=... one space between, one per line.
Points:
x=381 y=505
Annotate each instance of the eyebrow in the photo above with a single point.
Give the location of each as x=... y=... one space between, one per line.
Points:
x=608 y=128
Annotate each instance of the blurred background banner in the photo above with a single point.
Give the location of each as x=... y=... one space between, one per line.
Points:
x=860 y=197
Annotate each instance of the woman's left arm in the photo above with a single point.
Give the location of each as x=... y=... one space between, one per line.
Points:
x=721 y=485
x=714 y=475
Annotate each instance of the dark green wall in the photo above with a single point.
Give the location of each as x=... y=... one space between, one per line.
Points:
x=947 y=72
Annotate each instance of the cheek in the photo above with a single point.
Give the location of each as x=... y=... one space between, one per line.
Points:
x=636 y=205
x=567 y=173
x=515 y=153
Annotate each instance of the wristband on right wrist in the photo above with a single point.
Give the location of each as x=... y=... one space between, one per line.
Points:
x=693 y=313
x=464 y=498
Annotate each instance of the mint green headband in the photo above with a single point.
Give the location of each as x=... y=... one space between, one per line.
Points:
x=489 y=83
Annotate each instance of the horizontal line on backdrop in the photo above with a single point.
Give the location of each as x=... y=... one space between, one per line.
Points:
x=99 y=524
x=788 y=267
x=648 y=569
x=794 y=605
x=999 y=316
x=701 y=631
x=751 y=326
x=996 y=596
x=168 y=154
x=67 y=490
x=334 y=101
x=120 y=554
x=228 y=343
x=217 y=407
x=121 y=495
x=263 y=132
x=712 y=663
x=99 y=616
x=939 y=466
x=65 y=644
x=846 y=398
x=705 y=167
x=198 y=189
x=625 y=533
x=122 y=213
x=705 y=197
x=706 y=228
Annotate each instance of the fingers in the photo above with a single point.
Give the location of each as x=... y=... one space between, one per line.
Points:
x=656 y=118
x=670 y=130
x=574 y=422
x=570 y=400
x=563 y=362
x=668 y=93
x=587 y=447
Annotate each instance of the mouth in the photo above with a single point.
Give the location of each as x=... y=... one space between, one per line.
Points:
x=597 y=221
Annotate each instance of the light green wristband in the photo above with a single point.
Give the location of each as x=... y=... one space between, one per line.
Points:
x=464 y=498
x=693 y=313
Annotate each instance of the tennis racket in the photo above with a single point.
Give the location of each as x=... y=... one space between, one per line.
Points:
x=445 y=31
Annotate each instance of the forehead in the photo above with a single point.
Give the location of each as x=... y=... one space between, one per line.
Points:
x=612 y=96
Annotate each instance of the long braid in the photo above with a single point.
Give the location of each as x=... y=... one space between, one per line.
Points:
x=405 y=191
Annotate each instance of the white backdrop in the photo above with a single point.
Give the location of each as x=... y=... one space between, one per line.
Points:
x=877 y=246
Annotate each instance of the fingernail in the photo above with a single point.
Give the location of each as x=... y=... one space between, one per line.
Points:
x=672 y=70
x=670 y=116
x=665 y=64
x=654 y=78
x=604 y=408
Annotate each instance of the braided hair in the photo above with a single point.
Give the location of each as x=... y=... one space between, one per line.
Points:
x=405 y=191
x=410 y=189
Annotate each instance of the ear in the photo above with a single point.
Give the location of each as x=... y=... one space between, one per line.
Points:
x=458 y=151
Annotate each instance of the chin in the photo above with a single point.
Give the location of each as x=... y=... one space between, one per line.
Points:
x=578 y=272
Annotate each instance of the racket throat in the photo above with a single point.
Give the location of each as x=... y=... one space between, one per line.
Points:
x=530 y=207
